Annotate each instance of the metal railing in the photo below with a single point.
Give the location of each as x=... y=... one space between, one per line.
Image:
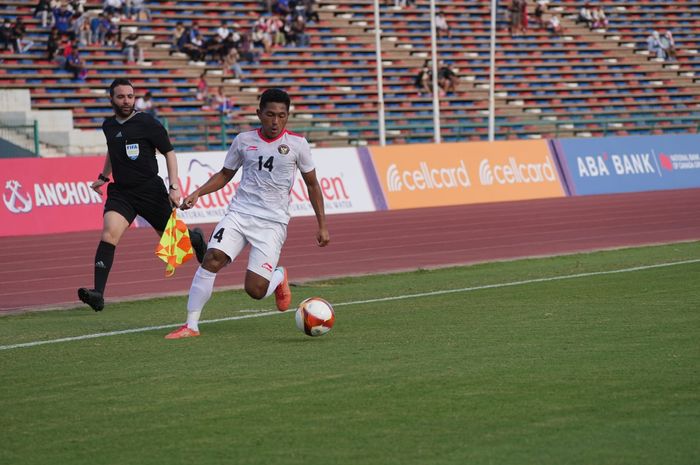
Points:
x=25 y=136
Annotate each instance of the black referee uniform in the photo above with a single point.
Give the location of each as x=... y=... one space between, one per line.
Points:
x=137 y=189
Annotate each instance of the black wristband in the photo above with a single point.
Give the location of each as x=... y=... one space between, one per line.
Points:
x=102 y=177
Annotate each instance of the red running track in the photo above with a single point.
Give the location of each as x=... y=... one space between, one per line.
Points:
x=40 y=272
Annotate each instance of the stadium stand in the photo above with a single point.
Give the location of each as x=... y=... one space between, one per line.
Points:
x=582 y=82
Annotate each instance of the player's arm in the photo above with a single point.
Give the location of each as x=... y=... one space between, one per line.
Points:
x=316 y=199
x=173 y=177
x=103 y=177
x=213 y=184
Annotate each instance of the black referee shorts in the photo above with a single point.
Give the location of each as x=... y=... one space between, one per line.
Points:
x=149 y=200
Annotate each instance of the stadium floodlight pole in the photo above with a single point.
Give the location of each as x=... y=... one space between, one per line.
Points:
x=492 y=73
x=380 y=74
x=436 y=95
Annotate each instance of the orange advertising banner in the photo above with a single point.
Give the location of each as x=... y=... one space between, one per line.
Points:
x=429 y=175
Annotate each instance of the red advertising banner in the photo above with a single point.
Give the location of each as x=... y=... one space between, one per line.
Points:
x=49 y=195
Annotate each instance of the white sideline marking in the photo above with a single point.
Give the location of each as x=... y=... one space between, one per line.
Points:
x=355 y=302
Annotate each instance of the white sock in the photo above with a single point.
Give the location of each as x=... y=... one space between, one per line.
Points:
x=200 y=292
x=275 y=280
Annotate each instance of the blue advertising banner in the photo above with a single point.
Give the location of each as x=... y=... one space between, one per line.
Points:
x=630 y=164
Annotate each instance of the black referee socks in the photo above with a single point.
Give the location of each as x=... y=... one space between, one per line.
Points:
x=103 y=263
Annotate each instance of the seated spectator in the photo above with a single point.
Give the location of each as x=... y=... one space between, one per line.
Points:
x=136 y=10
x=111 y=7
x=231 y=63
x=275 y=29
x=539 y=15
x=111 y=36
x=62 y=20
x=19 y=43
x=221 y=102
x=585 y=16
x=424 y=80
x=131 y=48
x=668 y=45
x=554 y=25
x=447 y=79
x=282 y=8
x=178 y=33
x=247 y=51
x=75 y=65
x=310 y=12
x=145 y=104
x=43 y=10
x=194 y=43
x=298 y=28
x=441 y=26
x=203 y=89
x=600 y=21
x=78 y=6
x=260 y=36
x=6 y=41
x=654 y=45
x=52 y=43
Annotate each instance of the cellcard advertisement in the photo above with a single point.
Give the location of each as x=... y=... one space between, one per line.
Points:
x=426 y=175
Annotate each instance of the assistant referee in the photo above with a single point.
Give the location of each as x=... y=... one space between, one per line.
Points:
x=136 y=189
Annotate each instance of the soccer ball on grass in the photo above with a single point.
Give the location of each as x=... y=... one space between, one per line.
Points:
x=315 y=316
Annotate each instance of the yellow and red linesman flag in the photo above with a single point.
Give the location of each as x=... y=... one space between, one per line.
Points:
x=175 y=247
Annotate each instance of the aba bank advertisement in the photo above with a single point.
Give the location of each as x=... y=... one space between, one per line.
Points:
x=427 y=175
x=339 y=171
x=49 y=195
x=630 y=164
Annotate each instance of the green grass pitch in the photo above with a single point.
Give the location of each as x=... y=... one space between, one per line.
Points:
x=596 y=368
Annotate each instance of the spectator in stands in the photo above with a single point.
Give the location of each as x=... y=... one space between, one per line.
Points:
x=136 y=9
x=600 y=20
x=524 y=18
x=668 y=45
x=132 y=49
x=43 y=10
x=178 y=33
x=441 y=26
x=654 y=45
x=298 y=28
x=554 y=25
x=260 y=35
x=6 y=35
x=585 y=16
x=19 y=43
x=424 y=80
x=194 y=43
x=62 y=19
x=145 y=104
x=515 y=10
x=275 y=28
x=221 y=102
x=203 y=89
x=282 y=8
x=78 y=6
x=447 y=79
x=111 y=7
x=52 y=43
x=76 y=65
x=84 y=30
x=310 y=12
x=112 y=34
x=231 y=63
x=247 y=50
x=539 y=15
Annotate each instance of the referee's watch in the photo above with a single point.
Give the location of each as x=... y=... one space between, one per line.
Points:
x=173 y=187
x=102 y=177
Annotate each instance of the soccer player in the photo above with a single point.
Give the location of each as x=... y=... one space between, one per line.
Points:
x=132 y=140
x=259 y=212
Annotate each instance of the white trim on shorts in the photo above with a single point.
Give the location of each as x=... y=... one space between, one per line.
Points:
x=265 y=237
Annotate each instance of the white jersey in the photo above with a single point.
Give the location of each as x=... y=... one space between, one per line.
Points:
x=268 y=172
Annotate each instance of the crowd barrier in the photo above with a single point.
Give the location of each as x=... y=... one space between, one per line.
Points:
x=43 y=196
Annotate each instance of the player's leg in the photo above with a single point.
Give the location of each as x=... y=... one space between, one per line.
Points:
x=225 y=245
x=118 y=216
x=263 y=276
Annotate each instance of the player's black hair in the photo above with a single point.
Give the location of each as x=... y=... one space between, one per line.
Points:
x=274 y=95
x=119 y=82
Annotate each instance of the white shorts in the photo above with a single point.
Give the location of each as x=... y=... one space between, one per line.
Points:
x=236 y=230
